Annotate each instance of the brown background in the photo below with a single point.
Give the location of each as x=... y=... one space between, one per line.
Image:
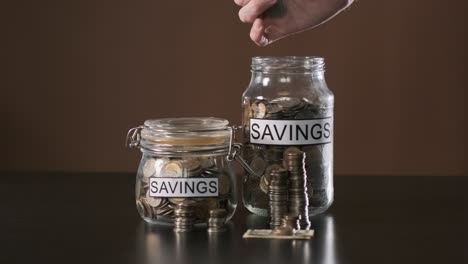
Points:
x=76 y=75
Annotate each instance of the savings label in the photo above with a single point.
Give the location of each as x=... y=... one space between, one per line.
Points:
x=183 y=187
x=291 y=132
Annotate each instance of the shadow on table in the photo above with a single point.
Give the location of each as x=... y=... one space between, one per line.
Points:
x=160 y=244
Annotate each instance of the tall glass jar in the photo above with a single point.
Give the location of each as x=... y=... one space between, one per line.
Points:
x=288 y=122
x=184 y=161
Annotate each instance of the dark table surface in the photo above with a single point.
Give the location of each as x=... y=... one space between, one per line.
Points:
x=91 y=218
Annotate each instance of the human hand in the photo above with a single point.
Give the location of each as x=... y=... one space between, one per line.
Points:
x=275 y=19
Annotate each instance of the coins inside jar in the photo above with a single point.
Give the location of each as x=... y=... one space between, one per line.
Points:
x=309 y=176
x=154 y=208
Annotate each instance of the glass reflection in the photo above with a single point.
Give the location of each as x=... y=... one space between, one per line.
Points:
x=320 y=249
x=160 y=244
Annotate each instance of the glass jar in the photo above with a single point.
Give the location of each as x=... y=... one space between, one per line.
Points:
x=287 y=111
x=184 y=160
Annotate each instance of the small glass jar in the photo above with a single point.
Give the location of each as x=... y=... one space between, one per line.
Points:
x=184 y=160
x=288 y=107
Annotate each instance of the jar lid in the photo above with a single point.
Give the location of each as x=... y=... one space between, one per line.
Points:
x=185 y=135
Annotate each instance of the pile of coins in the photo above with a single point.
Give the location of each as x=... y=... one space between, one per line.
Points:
x=152 y=207
x=217 y=220
x=284 y=108
x=184 y=217
x=294 y=162
x=278 y=196
x=162 y=208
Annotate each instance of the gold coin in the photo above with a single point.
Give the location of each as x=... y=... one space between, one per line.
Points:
x=191 y=164
x=292 y=151
x=172 y=169
x=175 y=200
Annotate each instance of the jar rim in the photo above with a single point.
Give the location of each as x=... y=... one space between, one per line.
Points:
x=185 y=135
x=186 y=124
x=288 y=64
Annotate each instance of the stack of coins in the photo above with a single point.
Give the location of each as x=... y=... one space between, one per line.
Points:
x=294 y=162
x=291 y=221
x=265 y=179
x=217 y=220
x=184 y=216
x=278 y=196
x=274 y=154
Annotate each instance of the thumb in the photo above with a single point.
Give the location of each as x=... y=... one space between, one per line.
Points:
x=258 y=33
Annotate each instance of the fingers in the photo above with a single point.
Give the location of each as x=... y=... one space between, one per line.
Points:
x=241 y=2
x=257 y=33
x=253 y=9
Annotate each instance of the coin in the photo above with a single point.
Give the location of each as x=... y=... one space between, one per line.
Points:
x=291 y=151
x=277 y=195
x=172 y=169
x=191 y=167
x=154 y=201
x=176 y=200
x=184 y=216
x=217 y=220
x=287 y=103
x=207 y=163
x=159 y=164
x=261 y=110
x=203 y=207
x=273 y=108
x=147 y=208
x=149 y=168
x=283 y=231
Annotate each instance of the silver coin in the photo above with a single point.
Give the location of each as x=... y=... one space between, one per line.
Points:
x=287 y=102
x=261 y=110
x=154 y=201
x=149 y=168
x=273 y=108
x=159 y=164
x=176 y=200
